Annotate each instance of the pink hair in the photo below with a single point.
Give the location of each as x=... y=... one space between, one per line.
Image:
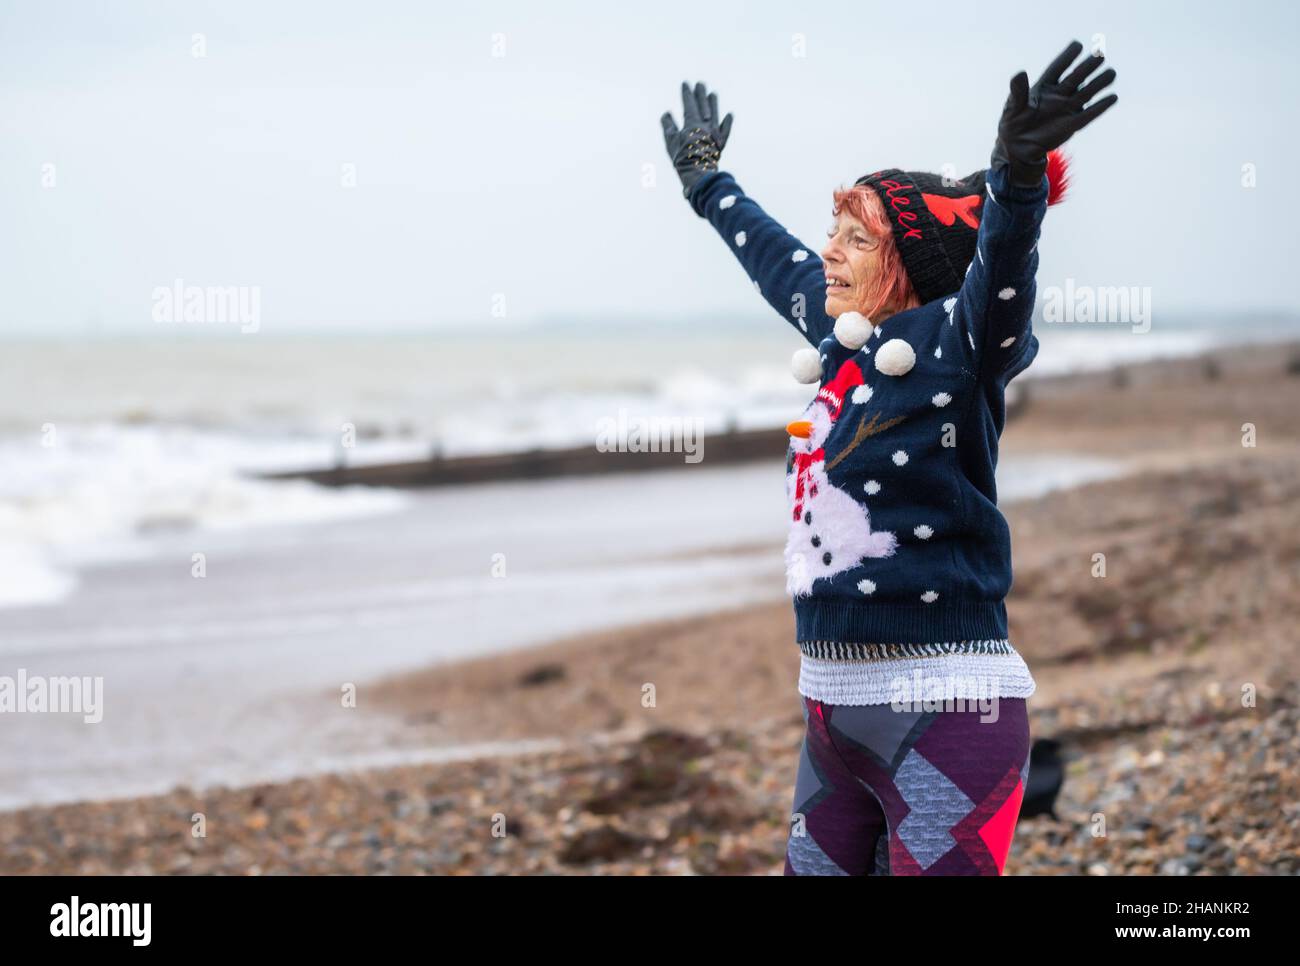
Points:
x=891 y=286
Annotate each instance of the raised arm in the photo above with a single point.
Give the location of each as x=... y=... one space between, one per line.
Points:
x=785 y=272
x=993 y=309
x=995 y=305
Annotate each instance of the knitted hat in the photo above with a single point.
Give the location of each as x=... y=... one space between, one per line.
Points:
x=935 y=225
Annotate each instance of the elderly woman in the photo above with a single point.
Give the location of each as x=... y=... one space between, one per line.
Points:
x=898 y=560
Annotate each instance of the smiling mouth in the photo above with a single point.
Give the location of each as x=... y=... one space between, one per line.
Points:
x=835 y=285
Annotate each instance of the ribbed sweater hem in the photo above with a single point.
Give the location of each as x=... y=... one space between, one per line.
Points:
x=829 y=619
x=970 y=676
x=844 y=651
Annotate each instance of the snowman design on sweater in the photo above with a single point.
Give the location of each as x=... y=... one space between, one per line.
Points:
x=830 y=531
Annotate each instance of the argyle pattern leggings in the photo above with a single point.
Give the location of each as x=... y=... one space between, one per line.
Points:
x=908 y=792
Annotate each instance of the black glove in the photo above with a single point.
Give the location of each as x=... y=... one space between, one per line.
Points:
x=1037 y=119
x=696 y=148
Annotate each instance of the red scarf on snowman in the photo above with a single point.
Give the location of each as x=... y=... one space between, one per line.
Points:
x=832 y=396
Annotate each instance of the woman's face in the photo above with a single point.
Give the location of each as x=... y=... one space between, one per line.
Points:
x=851 y=259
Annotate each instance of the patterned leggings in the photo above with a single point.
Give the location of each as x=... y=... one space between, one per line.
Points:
x=908 y=792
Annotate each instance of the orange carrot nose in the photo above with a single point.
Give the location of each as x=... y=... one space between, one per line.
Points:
x=801 y=428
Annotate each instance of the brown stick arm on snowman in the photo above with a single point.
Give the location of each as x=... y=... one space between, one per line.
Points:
x=865 y=429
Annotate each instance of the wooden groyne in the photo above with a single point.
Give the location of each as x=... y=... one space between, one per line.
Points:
x=737 y=446
x=741 y=446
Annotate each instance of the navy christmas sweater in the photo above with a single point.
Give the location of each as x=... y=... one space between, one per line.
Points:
x=895 y=534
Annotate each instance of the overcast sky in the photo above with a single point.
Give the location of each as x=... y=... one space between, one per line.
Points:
x=522 y=175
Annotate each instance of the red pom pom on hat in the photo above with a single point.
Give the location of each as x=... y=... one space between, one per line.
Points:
x=1058 y=176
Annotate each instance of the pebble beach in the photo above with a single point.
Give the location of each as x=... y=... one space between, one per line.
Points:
x=1171 y=684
